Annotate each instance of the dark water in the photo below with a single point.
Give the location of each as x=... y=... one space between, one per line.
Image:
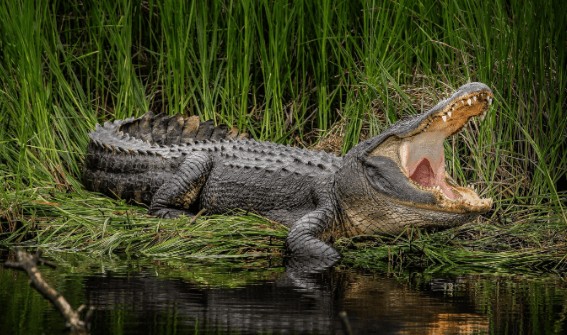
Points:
x=137 y=297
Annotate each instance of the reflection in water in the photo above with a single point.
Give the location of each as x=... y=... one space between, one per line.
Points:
x=399 y=309
x=143 y=302
x=373 y=304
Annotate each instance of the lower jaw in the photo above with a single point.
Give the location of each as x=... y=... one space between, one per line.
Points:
x=394 y=217
x=460 y=206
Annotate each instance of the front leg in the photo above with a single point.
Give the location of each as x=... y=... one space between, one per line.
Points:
x=175 y=196
x=304 y=243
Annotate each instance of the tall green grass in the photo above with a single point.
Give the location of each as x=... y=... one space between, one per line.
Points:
x=292 y=73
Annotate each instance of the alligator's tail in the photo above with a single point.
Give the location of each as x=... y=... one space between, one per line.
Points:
x=131 y=158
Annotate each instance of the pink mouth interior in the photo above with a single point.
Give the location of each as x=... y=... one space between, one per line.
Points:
x=423 y=174
x=424 y=160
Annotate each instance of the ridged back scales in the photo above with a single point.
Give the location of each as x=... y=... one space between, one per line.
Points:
x=171 y=130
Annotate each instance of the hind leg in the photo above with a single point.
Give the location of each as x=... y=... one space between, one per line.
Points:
x=175 y=196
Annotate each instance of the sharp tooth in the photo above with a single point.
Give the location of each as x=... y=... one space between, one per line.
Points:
x=469 y=101
x=489 y=99
x=444 y=117
x=474 y=98
x=450 y=114
x=404 y=156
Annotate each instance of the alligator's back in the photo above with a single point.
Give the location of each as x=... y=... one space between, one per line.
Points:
x=131 y=158
x=205 y=167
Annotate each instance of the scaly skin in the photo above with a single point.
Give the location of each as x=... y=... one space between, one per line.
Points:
x=176 y=165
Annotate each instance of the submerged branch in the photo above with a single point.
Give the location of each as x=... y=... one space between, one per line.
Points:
x=28 y=263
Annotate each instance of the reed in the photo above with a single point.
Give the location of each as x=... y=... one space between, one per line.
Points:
x=293 y=73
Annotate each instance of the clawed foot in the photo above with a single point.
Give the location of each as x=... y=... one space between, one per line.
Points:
x=313 y=264
x=312 y=256
x=170 y=213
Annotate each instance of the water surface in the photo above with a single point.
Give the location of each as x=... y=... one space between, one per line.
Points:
x=143 y=297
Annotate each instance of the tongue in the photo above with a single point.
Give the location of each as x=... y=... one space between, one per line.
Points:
x=423 y=174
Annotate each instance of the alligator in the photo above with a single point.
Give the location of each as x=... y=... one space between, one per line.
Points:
x=177 y=165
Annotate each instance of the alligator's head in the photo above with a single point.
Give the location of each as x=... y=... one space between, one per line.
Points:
x=398 y=179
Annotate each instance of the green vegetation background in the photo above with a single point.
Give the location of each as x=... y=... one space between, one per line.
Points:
x=306 y=73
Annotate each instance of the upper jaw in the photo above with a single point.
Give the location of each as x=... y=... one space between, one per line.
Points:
x=450 y=115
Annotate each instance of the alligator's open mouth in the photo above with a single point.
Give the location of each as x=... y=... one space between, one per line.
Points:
x=420 y=152
x=422 y=156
